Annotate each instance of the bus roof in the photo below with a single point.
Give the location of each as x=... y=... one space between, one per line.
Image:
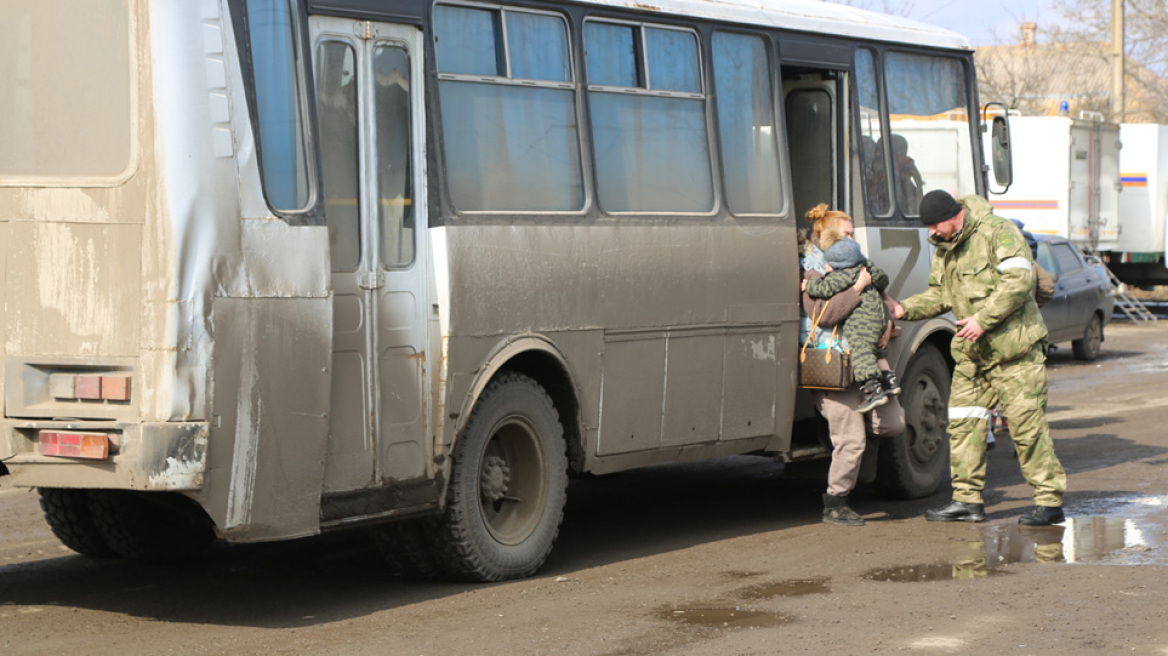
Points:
x=814 y=16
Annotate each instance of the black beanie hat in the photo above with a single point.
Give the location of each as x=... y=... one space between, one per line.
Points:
x=938 y=206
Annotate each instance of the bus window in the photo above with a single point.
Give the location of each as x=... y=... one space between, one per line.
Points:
x=930 y=145
x=336 y=88
x=395 y=211
x=811 y=132
x=648 y=119
x=509 y=146
x=284 y=165
x=67 y=90
x=746 y=124
x=873 y=158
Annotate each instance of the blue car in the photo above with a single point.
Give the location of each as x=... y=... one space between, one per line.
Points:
x=1082 y=302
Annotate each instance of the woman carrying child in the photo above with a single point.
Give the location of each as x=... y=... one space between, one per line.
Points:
x=848 y=425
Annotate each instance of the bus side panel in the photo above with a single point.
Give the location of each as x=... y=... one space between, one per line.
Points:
x=265 y=463
x=694 y=316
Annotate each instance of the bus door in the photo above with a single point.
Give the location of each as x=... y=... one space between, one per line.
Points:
x=369 y=102
x=814 y=136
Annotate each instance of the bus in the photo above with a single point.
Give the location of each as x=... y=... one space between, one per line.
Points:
x=279 y=267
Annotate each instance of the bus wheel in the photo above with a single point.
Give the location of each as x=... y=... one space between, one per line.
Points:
x=508 y=485
x=67 y=512
x=151 y=526
x=406 y=549
x=912 y=464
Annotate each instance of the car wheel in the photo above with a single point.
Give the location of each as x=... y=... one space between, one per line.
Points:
x=1089 y=346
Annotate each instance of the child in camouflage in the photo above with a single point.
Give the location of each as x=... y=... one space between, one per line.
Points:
x=867 y=327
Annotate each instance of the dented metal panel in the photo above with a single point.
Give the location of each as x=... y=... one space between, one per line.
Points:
x=181 y=276
x=151 y=457
x=271 y=362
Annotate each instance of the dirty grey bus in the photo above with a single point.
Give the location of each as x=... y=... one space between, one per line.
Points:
x=278 y=267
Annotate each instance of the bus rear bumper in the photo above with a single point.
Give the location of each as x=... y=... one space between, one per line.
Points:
x=165 y=456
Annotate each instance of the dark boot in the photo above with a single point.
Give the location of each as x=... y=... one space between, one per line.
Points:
x=889 y=382
x=872 y=396
x=836 y=511
x=957 y=511
x=1042 y=516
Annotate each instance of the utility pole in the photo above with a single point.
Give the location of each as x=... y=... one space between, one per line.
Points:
x=1117 y=60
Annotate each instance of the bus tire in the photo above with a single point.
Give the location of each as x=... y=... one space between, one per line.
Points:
x=405 y=547
x=508 y=485
x=68 y=515
x=911 y=465
x=151 y=526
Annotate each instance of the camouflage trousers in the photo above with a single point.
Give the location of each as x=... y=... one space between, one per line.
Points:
x=1020 y=386
x=863 y=329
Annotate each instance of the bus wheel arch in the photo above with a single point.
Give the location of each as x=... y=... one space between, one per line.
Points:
x=538 y=359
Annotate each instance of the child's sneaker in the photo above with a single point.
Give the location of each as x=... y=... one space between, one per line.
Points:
x=873 y=396
x=889 y=382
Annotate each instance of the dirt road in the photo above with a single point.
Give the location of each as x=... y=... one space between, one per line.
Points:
x=718 y=558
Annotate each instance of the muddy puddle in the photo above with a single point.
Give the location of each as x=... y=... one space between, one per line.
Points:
x=729 y=617
x=789 y=588
x=1118 y=530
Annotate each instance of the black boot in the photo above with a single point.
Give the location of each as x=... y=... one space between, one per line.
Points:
x=957 y=511
x=836 y=511
x=1042 y=516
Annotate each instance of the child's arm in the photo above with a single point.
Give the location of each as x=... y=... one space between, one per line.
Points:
x=832 y=284
x=837 y=310
x=879 y=278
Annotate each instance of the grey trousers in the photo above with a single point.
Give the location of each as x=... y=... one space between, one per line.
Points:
x=849 y=432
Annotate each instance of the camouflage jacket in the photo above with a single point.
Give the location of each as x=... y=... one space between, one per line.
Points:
x=984 y=273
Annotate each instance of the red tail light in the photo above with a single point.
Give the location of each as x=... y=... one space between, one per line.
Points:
x=73 y=444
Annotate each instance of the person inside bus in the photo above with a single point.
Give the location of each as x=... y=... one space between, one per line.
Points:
x=868 y=327
x=908 y=184
x=848 y=427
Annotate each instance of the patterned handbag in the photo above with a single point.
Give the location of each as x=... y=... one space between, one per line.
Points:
x=826 y=368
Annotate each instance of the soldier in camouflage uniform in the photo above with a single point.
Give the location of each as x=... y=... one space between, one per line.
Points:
x=981 y=271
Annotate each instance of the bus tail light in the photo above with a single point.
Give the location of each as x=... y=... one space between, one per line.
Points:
x=90 y=387
x=73 y=444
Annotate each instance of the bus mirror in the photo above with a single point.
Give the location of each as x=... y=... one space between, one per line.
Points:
x=1000 y=146
x=1003 y=173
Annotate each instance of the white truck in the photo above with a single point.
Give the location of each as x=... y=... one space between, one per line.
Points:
x=1066 y=180
x=1139 y=256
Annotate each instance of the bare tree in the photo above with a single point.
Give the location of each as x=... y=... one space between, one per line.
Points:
x=1088 y=26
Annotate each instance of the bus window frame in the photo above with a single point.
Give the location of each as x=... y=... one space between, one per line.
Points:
x=312 y=214
x=713 y=142
x=778 y=112
x=890 y=213
x=436 y=123
x=897 y=217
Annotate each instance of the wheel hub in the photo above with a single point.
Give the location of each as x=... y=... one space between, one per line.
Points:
x=495 y=478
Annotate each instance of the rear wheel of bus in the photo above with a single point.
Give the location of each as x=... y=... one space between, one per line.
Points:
x=68 y=515
x=912 y=464
x=151 y=526
x=508 y=485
